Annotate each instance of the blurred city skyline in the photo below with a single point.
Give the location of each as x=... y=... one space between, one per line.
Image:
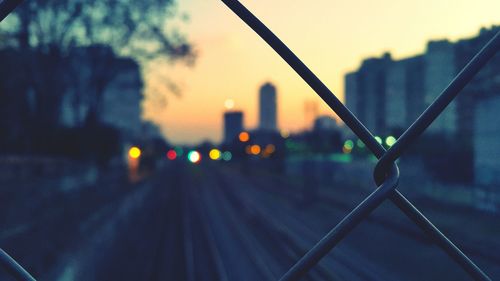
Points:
x=332 y=38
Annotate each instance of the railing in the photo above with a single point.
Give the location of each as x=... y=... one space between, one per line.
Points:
x=386 y=172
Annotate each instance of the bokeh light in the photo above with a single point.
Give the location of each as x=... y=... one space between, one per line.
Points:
x=227 y=156
x=214 y=154
x=284 y=134
x=349 y=144
x=346 y=150
x=390 y=141
x=171 y=154
x=229 y=104
x=244 y=136
x=194 y=156
x=255 y=149
x=179 y=151
x=134 y=152
x=270 y=148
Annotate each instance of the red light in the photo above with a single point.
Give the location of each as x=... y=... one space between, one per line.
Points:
x=171 y=154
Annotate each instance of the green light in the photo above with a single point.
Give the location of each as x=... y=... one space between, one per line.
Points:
x=390 y=140
x=342 y=158
x=349 y=144
x=360 y=143
x=379 y=140
x=194 y=156
x=227 y=156
x=179 y=151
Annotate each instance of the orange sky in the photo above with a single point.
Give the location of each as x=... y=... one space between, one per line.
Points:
x=330 y=36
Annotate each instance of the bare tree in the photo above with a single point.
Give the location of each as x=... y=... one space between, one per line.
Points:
x=48 y=30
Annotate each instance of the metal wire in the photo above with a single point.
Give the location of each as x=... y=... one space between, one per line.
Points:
x=16 y=270
x=6 y=261
x=386 y=172
x=7 y=6
x=438 y=105
x=381 y=174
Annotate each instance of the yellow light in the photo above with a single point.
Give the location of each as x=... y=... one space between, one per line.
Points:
x=214 y=154
x=379 y=139
x=134 y=152
x=346 y=150
x=255 y=149
x=284 y=134
x=229 y=104
x=244 y=137
x=390 y=141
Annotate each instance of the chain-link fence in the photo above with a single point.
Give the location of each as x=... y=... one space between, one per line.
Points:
x=386 y=172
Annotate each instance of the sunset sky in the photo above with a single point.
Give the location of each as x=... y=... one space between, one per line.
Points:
x=330 y=36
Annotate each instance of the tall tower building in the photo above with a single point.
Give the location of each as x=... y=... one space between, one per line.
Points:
x=267 y=108
x=233 y=125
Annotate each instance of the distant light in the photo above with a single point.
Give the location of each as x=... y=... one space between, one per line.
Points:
x=390 y=141
x=244 y=137
x=248 y=149
x=255 y=149
x=227 y=156
x=378 y=139
x=360 y=143
x=270 y=148
x=349 y=144
x=229 y=104
x=134 y=152
x=346 y=150
x=171 y=154
x=284 y=134
x=214 y=154
x=179 y=151
x=194 y=156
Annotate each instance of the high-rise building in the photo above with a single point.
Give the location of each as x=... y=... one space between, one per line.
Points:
x=233 y=125
x=366 y=92
x=404 y=98
x=267 y=108
x=388 y=95
x=486 y=140
x=439 y=71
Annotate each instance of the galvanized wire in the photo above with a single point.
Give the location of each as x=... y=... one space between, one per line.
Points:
x=382 y=174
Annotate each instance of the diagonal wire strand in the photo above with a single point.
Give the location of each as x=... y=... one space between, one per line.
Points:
x=438 y=237
x=17 y=271
x=358 y=128
x=7 y=6
x=307 y=75
x=438 y=105
x=342 y=229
